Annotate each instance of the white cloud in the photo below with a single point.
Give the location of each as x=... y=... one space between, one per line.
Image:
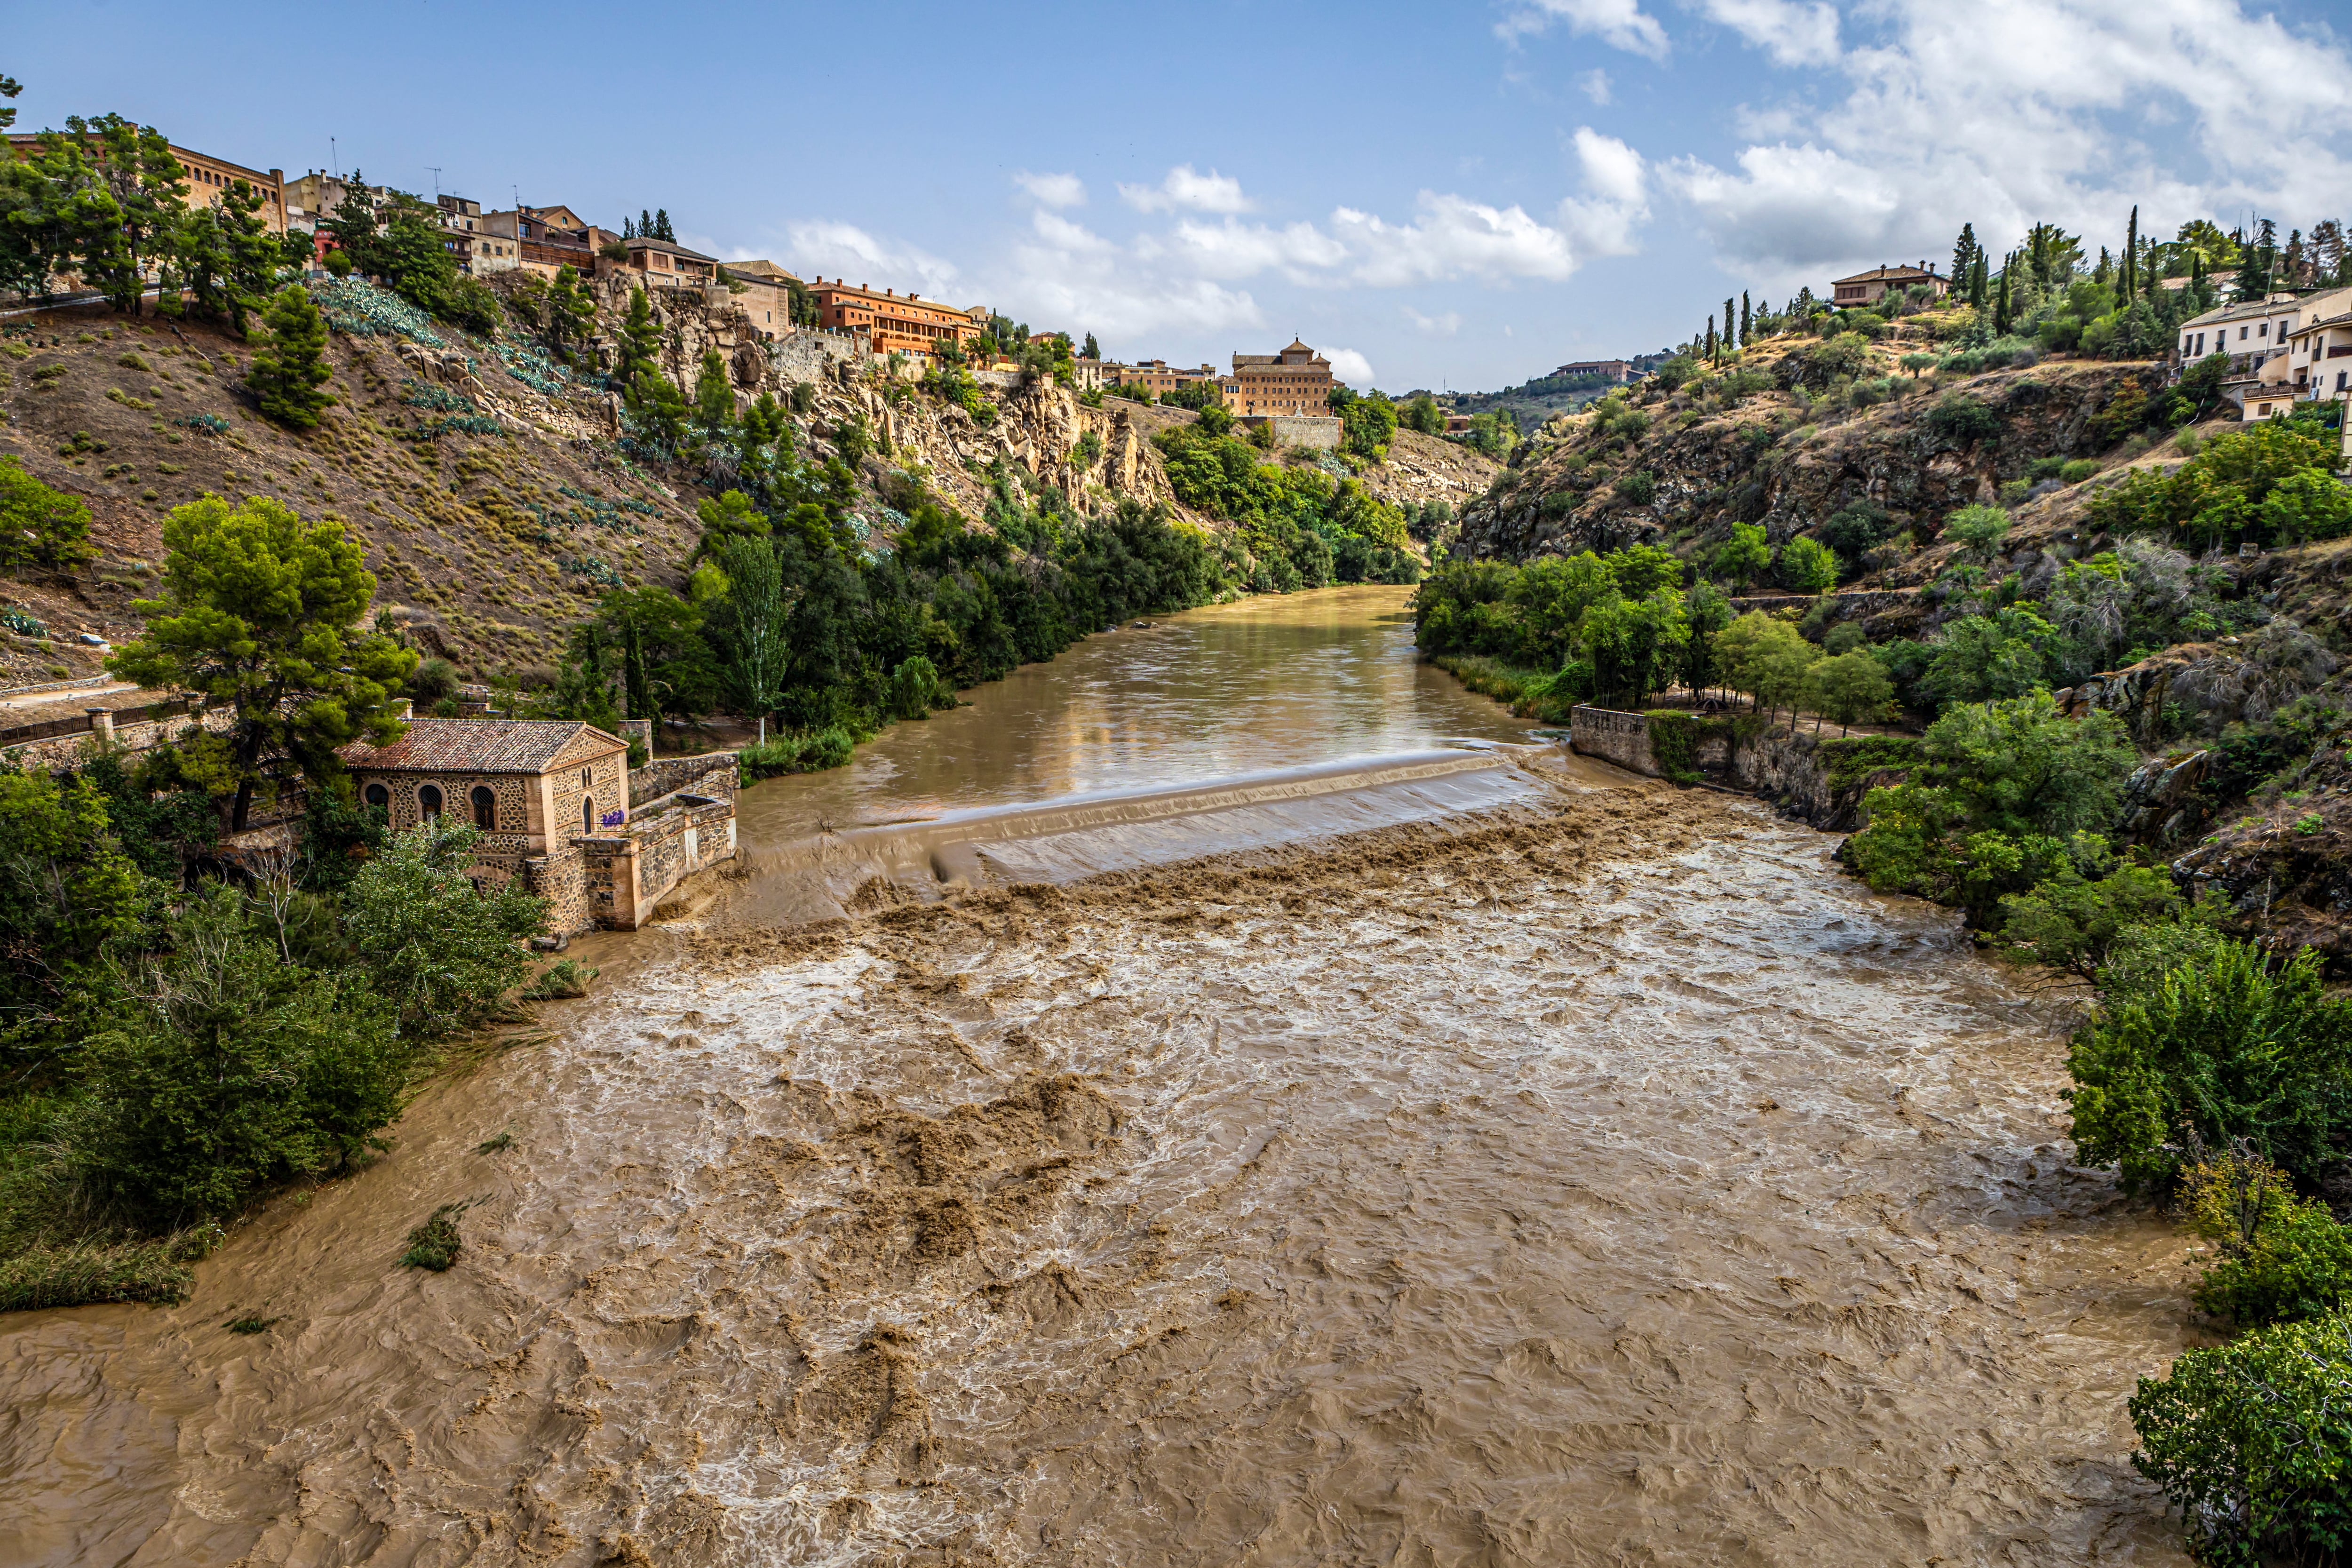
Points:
x=2006 y=113
x=1074 y=238
x=1444 y=326
x=1449 y=236
x=1184 y=189
x=1052 y=190
x=1594 y=85
x=844 y=250
x=1793 y=32
x=1232 y=249
x=1616 y=203
x=1620 y=24
x=1349 y=366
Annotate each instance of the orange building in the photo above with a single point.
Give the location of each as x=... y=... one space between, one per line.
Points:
x=899 y=323
x=1296 y=380
x=208 y=179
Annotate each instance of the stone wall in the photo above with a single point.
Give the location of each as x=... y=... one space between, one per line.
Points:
x=561 y=877
x=1614 y=737
x=66 y=750
x=713 y=773
x=1318 y=431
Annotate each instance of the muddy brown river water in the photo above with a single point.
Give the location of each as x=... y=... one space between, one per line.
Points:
x=1479 y=1158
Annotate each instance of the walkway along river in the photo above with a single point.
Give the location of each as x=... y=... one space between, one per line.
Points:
x=1507 y=1161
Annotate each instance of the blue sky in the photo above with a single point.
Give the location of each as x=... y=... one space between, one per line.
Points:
x=1441 y=196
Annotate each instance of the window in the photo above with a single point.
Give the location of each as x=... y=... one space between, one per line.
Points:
x=584 y=779
x=379 y=795
x=428 y=800
x=587 y=814
x=485 y=808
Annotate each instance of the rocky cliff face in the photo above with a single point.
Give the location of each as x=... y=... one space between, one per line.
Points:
x=1681 y=474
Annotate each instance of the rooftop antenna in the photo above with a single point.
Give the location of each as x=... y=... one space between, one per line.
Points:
x=334 y=159
x=436 y=180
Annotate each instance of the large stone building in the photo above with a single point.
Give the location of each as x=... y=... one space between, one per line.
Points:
x=1156 y=376
x=561 y=812
x=1296 y=381
x=661 y=264
x=897 y=323
x=206 y=180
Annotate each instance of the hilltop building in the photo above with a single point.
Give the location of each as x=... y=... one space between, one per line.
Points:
x=899 y=323
x=665 y=265
x=208 y=180
x=1156 y=376
x=1296 y=380
x=1869 y=288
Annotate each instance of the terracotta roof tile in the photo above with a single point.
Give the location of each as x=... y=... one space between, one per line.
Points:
x=479 y=746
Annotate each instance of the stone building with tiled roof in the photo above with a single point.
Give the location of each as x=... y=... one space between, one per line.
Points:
x=1293 y=382
x=540 y=790
x=1869 y=288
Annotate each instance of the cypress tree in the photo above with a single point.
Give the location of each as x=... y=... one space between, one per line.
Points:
x=1729 y=342
x=290 y=370
x=640 y=339
x=646 y=229
x=2001 y=303
x=2131 y=258
x=1976 y=282
x=661 y=225
x=1965 y=255
x=1747 y=318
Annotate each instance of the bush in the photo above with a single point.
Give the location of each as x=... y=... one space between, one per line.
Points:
x=2283 y=1258
x=1638 y=488
x=432 y=681
x=39 y=526
x=806 y=753
x=2080 y=468
x=1959 y=417
x=2073 y=922
x=2236 y=1047
x=238 y=1069
x=441 y=952
x=915 y=690
x=2252 y=1442
x=434 y=1243
x=1807 y=565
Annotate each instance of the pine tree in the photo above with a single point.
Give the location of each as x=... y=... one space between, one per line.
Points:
x=289 y=369
x=628 y=226
x=1966 y=252
x=1094 y=351
x=1747 y=319
x=1729 y=342
x=661 y=225
x=646 y=229
x=714 y=393
x=640 y=339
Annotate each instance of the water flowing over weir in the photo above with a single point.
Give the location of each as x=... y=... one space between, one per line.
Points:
x=1466 y=1155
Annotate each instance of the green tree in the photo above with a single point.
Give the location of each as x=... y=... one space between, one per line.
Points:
x=2022 y=766
x=1634 y=646
x=1744 y=558
x=440 y=951
x=39 y=526
x=2252 y=1441
x=659 y=409
x=290 y=371
x=1092 y=350
x=640 y=341
x=2244 y=1047
x=129 y=224
x=728 y=515
x=570 y=314
x=749 y=630
x=2073 y=922
x=1807 y=566
x=260 y=613
x=1849 y=688
x=714 y=393
x=69 y=900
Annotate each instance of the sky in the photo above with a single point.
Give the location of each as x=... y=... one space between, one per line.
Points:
x=1443 y=196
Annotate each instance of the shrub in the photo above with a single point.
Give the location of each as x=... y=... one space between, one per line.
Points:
x=39 y=526
x=2252 y=1442
x=2073 y=922
x=2236 y=1047
x=806 y=753
x=565 y=978
x=434 y=1243
x=442 y=952
x=1638 y=488
x=238 y=1069
x=2080 y=468
x=1959 y=417
x=1807 y=566
x=916 y=688
x=2283 y=1258
x=433 y=680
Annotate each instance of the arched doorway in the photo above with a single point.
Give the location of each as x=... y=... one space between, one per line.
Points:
x=587 y=814
x=485 y=808
x=428 y=800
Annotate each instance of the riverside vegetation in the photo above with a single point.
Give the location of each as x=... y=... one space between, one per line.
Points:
x=1971 y=535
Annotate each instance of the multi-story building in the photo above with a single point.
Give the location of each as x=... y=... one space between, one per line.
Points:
x=478 y=252
x=764 y=291
x=1296 y=380
x=661 y=264
x=1156 y=376
x=1617 y=370
x=317 y=196
x=206 y=179
x=1869 y=288
x=897 y=323
x=2319 y=354
x=548 y=240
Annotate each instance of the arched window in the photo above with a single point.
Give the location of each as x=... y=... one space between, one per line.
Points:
x=428 y=800
x=587 y=814
x=379 y=795
x=485 y=808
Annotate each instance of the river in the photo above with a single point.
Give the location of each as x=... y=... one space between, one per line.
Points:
x=1503 y=1161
